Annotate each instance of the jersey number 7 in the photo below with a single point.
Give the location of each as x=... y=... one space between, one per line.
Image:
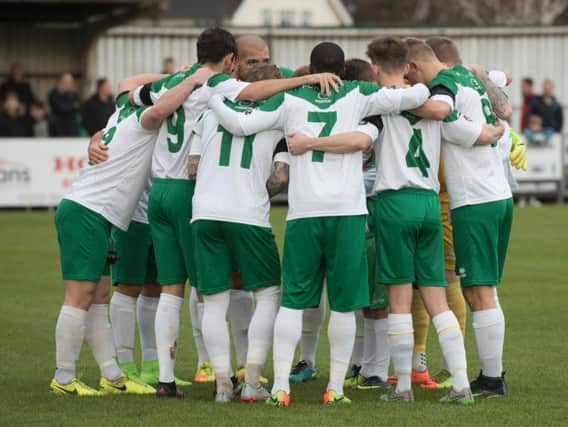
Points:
x=328 y=118
x=227 y=142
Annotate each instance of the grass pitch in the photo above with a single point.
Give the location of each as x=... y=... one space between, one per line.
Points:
x=534 y=296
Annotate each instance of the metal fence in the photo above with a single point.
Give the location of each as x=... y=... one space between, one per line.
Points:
x=539 y=52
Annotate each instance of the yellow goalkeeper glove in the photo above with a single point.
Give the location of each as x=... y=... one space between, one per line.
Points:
x=518 y=155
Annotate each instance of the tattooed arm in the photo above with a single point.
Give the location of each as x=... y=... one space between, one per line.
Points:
x=192 y=165
x=278 y=181
x=497 y=97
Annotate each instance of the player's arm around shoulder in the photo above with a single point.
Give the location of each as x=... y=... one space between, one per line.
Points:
x=278 y=180
x=381 y=100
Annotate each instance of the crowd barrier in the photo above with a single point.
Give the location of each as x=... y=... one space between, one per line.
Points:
x=37 y=172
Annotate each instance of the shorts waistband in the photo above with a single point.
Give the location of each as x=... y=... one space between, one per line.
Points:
x=407 y=190
x=173 y=181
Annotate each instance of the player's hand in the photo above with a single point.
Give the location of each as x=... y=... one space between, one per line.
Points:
x=518 y=155
x=184 y=67
x=201 y=76
x=490 y=134
x=298 y=143
x=325 y=81
x=98 y=152
x=475 y=69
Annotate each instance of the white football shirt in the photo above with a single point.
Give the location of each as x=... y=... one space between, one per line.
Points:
x=323 y=184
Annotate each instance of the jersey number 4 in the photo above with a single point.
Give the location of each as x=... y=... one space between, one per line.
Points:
x=227 y=142
x=328 y=119
x=415 y=157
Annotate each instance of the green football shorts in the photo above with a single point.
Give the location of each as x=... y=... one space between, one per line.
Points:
x=222 y=247
x=481 y=239
x=83 y=237
x=169 y=213
x=378 y=294
x=135 y=263
x=333 y=247
x=410 y=244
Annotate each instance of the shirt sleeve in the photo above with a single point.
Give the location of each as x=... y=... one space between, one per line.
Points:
x=456 y=129
x=386 y=101
x=195 y=140
x=499 y=78
x=370 y=130
x=442 y=93
x=225 y=86
x=270 y=115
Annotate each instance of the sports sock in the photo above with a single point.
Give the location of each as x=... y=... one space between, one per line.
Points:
x=69 y=335
x=99 y=336
x=489 y=331
x=311 y=324
x=456 y=302
x=146 y=314
x=341 y=333
x=167 y=333
x=452 y=345
x=287 y=331
x=216 y=333
x=383 y=348
x=123 y=320
x=357 y=354
x=376 y=354
x=241 y=308
x=261 y=331
x=401 y=340
x=420 y=323
x=196 y=314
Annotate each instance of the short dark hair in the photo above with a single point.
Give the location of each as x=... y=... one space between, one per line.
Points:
x=529 y=81
x=168 y=59
x=359 y=69
x=327 y=57
x=261 y=71
x=214 y=44
x=445 y=49
x=390 y=53
x=101 y=82
x=419 y=50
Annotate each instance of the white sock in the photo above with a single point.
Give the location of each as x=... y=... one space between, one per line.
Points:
x=383 y=348
x=489 y=331
x=167 y=333
x=357 y=355
x=287 y=331
x=453 y=349
x=341 y=333
x=261 y=330
x=99 y=336
x=401 y=341
x=216 y=333
x=241 y=308
x=69 y=334
x=196 y=314
x=123 y=320
x=376 y=353
x=311 y=324
x=146 y=314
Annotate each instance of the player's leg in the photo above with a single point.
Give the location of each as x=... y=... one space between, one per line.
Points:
x=204 y=373
x=256 y=256
x=313 y=318
x=480 y=232
x=421 y=324
x=164 y=204
x=128 y=274
x=431 y=278
x=214 y=282
x=348 y=291
x=303 y=280
x=83 y=240
x=241 y=308
x=146 y=307
x=353 y=377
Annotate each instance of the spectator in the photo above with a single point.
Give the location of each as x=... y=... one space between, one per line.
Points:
x=13 y=121
x=38 y=117
x=534 y=133
x=16 y=84
x=527 y=91
x=98 y=108
x=548 y=108
x=168 y=65
x=64 y=104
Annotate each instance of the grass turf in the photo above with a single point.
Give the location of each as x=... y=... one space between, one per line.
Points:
x=533 y=295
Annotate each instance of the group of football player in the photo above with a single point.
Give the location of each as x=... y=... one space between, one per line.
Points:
x=178 y=192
